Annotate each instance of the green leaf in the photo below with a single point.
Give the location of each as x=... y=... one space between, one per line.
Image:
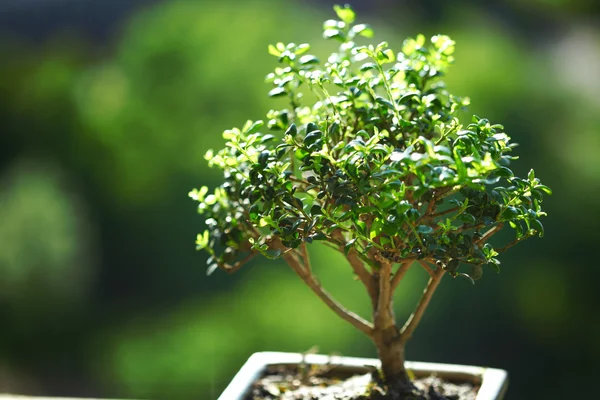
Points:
x=308 y=59
x=407 y=96
x=537 y=225
x=312 y=137
x=334 y=130
x=302 y=48
x=452 y=265
x=273 y=51
x=362 y=30
x=198 y=195
x=316 y=210
x=509 y=213
x=467 y=277
x=494 y=265
x=254 y=127
x=385 y=102
x=361 y=226
x=348 y=246
x=334 y=34
x=264 y=157
x=272 y=253
x=230 y=134
x=318 y=236
x=425 y=229
x=368 y=66
x=467 y=218
x=211 y=268
x=202 y=240
x=210 y=199
x=504 y=172
x=345 y=13
x=412 y=214
x=267 y=138
x=311 y=126
x=292 y=130
x=386 y=56
x=333 y=24
x=476 y=272
x=544 y=189
x=277 y=92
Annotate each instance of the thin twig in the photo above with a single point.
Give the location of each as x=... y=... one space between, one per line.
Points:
x=508 y=246
x=358 y=267
x=431 y=206
x=230 y=269
x=426 y=267
x=310 y=280
x=415 y=318
x=298 y=180
x=486 y=236
x=449 y=192
x=306 y=258
x=465 y=228
x=400 y=274
x=442 y=213
x=365 y=277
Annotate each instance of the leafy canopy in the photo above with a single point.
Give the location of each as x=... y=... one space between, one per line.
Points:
x=370 y=154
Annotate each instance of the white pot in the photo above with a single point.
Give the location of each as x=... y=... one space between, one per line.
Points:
x=493 y=382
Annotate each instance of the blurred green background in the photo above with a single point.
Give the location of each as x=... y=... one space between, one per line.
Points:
x=106 y=109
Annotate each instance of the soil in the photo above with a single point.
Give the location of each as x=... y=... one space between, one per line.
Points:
x=322 y=383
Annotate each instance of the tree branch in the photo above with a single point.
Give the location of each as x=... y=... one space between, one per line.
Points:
x=385 y=294
x=358 y=267
x=306 y=258
x=415 y=318
x=365 y=277
x=465 y=228
x=400 y=274
x=508 y=246
x=486 y=236
x=431 y=206
x=298 y=180
x=442 y=213
x=230 y=269
x=310 y=280
x=426 y=267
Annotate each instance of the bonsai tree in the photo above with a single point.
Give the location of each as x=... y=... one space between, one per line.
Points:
x=370 y=158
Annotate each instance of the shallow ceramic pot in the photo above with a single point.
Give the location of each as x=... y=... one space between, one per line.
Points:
x=493 y=382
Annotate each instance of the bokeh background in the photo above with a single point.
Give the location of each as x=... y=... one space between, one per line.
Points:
x=106 y=110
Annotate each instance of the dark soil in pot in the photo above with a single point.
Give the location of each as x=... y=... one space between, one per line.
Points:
x=307 y=382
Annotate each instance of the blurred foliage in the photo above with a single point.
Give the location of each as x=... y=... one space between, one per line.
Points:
x=114 y=137
x=44 y=242
x=167 y=89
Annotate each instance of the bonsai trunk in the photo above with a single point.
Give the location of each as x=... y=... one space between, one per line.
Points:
x=390 y=351
x=389 y=340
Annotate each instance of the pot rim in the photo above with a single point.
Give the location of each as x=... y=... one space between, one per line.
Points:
x=493 y=381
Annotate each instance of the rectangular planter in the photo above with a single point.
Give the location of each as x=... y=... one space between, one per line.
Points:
x=493 y=381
